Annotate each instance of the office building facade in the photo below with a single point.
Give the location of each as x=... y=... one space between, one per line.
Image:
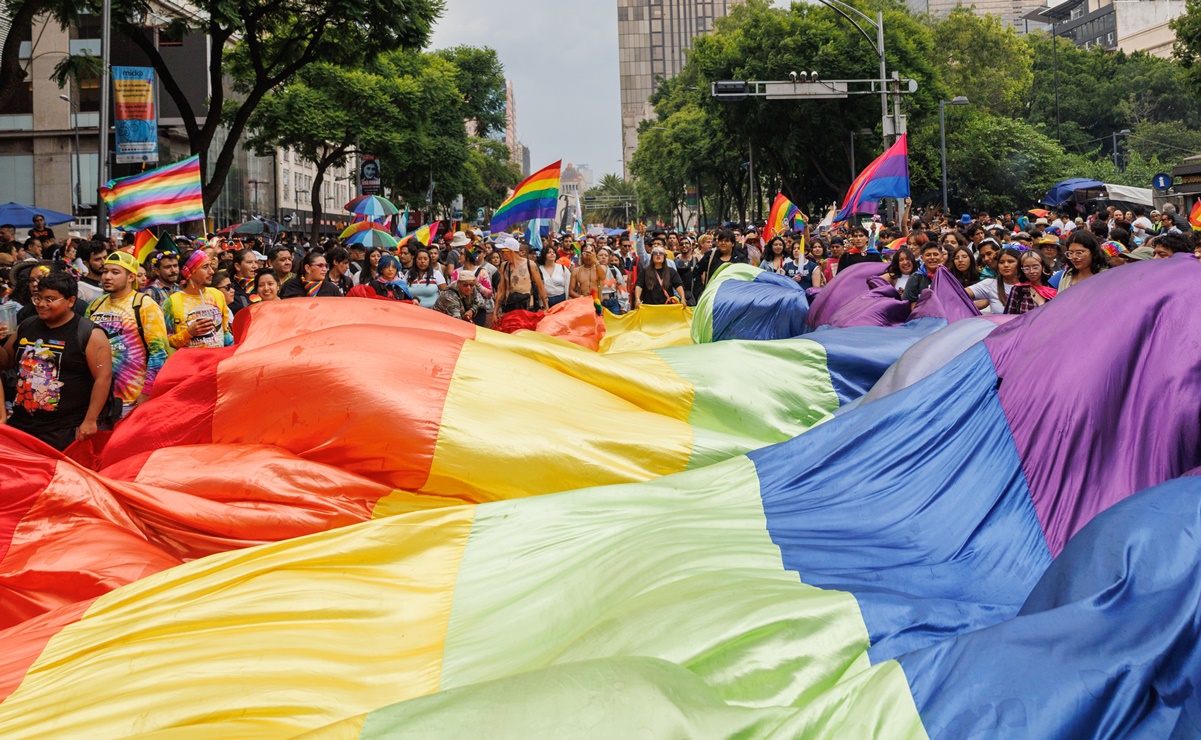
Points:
x=652 y=37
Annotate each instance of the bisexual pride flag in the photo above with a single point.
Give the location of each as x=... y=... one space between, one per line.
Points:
x=886 y=177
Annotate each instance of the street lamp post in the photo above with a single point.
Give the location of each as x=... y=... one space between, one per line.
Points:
x=1116 y=134
x=78 y=171
x=860 y=132
x=942 y=134
x=106 y=21
x=254 y=198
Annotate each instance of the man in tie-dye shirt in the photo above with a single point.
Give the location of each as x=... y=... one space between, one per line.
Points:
x=135 y=328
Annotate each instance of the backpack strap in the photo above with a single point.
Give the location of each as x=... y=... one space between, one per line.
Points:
x=138 y=299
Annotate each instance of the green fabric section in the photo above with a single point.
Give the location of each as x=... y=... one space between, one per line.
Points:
x=646 y=698
x=702 y=314
x=659 y=609
x=734 y=411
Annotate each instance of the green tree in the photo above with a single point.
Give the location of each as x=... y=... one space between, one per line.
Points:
x=996 y=163
x=480 y=77
x=613 y=201
x=326 y=113
x=491 y=174
x=256 y=47
x=984 y=59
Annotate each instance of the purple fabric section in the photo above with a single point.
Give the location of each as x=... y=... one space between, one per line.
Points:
x=847 y=285
x=880 y=306
x=945 y=299
x=1101 y=397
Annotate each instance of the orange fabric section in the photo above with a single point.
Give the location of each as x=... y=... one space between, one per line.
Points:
x=367 y=399
x=264 y=324
x=24 y=643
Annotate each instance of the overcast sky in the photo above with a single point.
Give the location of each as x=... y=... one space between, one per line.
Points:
x=562 y=58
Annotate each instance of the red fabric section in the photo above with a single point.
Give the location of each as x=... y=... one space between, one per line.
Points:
x=180 y=410
x=26 y=467
x=515 y=321
x=26 y=641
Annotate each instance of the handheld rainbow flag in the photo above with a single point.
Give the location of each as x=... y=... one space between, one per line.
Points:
x=426 y=234
x=887 y=177
x=1194 y=216
x=783 y=214
x=143 y=245
x=168 y=195
x=535 y=197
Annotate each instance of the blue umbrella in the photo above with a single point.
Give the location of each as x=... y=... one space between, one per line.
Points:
x=21 y=215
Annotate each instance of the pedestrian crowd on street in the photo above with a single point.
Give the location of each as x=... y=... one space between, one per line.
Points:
x=85 y=328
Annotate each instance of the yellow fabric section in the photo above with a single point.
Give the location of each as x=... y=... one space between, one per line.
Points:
x=650 y=327
x=336 y=624
x=602 y=437
x=642 y=378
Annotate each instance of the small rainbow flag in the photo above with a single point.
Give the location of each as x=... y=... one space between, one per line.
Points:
x=535 y=197
x=143 y=245
x=1194 y=216
x=168 y=195
x=783 y=214
x=886 y=177
x=426 y=234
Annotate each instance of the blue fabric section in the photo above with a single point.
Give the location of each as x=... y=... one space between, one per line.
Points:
x=1107 y=645
x=858 y=356
x=769 y=307
x=916 y=504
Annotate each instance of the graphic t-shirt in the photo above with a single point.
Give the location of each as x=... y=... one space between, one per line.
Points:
x=181 y=309
x=135 y=364
x=54 y=384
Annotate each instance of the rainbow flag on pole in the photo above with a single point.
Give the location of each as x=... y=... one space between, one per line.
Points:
x=784 y=214
x=887 y=177
x=168 y=195
x=535 y=197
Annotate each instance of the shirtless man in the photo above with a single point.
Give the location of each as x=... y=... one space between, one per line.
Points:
x=519 y=278
x=589 y=276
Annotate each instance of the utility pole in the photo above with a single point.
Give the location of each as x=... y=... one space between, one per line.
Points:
x=106 y=20
x=750 y=211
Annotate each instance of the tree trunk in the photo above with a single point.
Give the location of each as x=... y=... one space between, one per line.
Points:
x=12 y=76
x=322 y=166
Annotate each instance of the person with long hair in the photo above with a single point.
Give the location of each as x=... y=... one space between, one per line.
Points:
x=555 y=276
x=962 y=265
x=817 y=253
x=266 y=286
x=1084 y=259
x=902 y=267
x=311 y=279
x=776 y=258
x=658 y=283
x=1033 y=290
x=992 y=293
x=425 y=279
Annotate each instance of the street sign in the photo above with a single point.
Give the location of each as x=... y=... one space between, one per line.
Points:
x=1162 y=181
x=808 y=90
x=287 y=218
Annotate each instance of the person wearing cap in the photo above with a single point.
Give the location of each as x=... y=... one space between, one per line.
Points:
x=454 y=254
x=1140 y=254
x=1052 y=251
x=462 y=300
x=196 y=316
x=135 y=327
x=519 y=280
x=658 y=283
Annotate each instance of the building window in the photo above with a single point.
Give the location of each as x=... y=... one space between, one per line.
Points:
x=171 y=36
x=285 y=181
x=17 y=183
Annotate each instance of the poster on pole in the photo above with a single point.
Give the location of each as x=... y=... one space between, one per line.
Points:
x=135 y=116
x=369 y=175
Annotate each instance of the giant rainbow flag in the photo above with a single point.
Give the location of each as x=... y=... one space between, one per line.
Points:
x=537 y=196
x=167 y=195
x=720 y=539
x=886 y=177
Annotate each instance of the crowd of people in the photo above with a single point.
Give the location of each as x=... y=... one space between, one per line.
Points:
x=86 y=327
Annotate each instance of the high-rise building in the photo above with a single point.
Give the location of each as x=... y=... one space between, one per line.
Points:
x=1010 y=11
x=652 y=36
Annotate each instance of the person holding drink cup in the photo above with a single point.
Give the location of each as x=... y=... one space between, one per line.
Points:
x=196 y=316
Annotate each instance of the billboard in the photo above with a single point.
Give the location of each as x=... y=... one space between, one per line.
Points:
x=369 y=175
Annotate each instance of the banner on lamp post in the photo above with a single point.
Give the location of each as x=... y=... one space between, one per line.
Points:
x=369 y=175
x=135 y=116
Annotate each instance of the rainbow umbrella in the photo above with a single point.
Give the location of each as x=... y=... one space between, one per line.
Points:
x=360 y=226
x=372 y=206
x=373 y=238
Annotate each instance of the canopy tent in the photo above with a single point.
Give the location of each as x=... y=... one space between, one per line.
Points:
x=1062 y=192
x=1127 y=194
x=21 y=216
